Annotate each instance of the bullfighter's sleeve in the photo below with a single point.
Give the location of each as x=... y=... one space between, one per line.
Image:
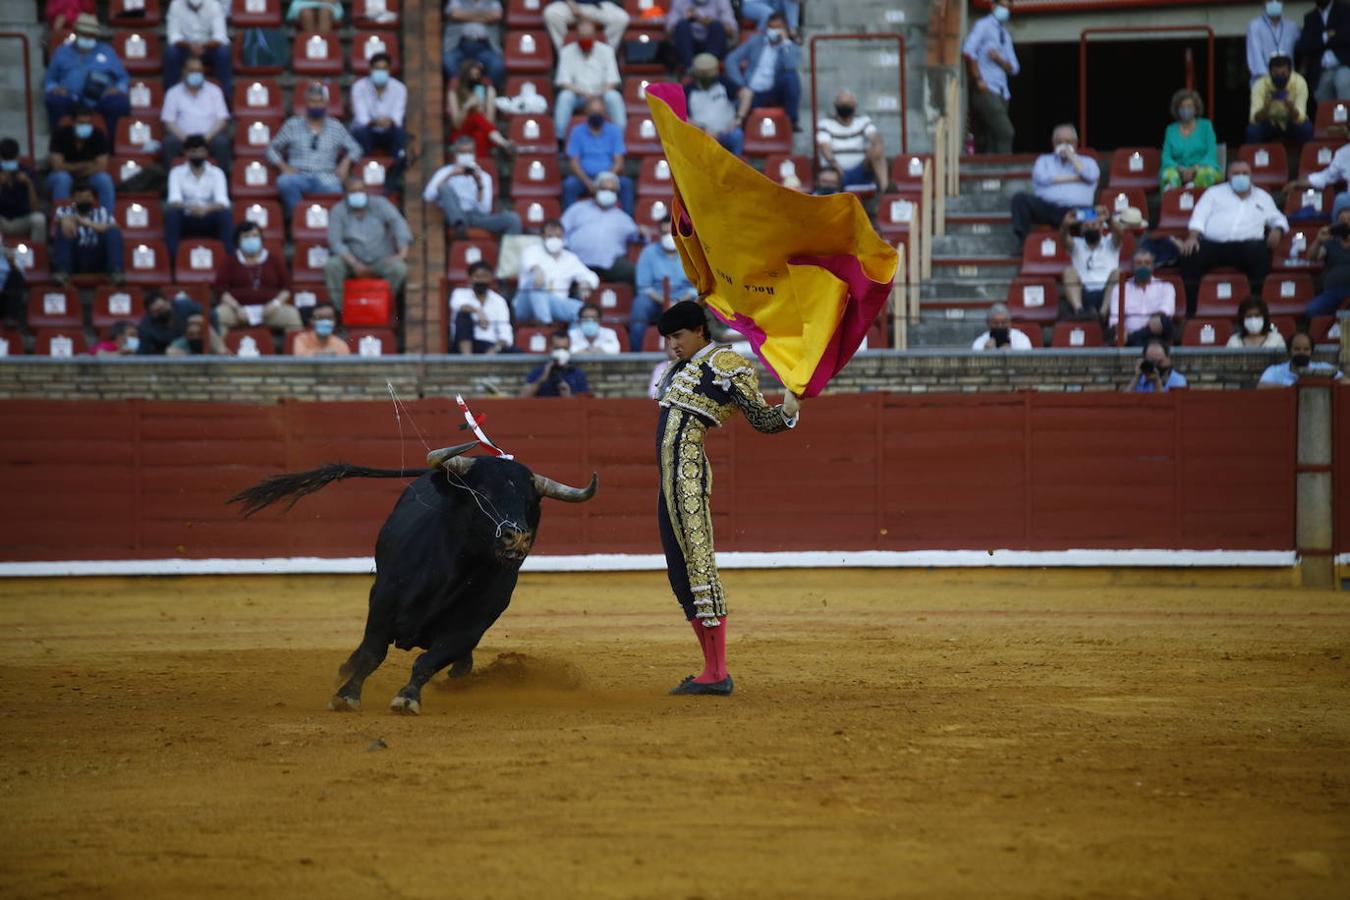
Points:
x=735 y=373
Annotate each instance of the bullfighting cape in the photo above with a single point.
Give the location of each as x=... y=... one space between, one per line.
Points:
x=801 y=277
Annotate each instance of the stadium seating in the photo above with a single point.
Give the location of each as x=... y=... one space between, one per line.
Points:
x=1333 y=120
x=532 y=339
x=1220 y=293
x=381 y=15
x=243 y=68
x=256 y=13
x=640 y=137
x=1032 y=299
x=1287 y=294
x=1319 y=201
x=114 y=303
x=60 y=342
x=336 y=106
x=528 y=51
x=134 y=13
x=1206 y=333
x=31 y=260
x=533 y=134
x=767 y=131
x=1324 y=330
x=252 y=134
x=11 y=342
x=146 y=97
x=138 y=220
x=309 y=220
x=259 y=98
x=1292 y=254
x=369 y=43
x=197 y=260
x=134 y=132
x=1270 y=165
x=1116 y=199
x=316 y=53
x=266 y=214
x=50 y=306
x=898 y=214
x=650 y=210
x=252 y=178
x=615 y=300
x=146 y=262
x=308 y=262
x=463 y=254
x=536 y=176
x=1316 y=156
x=248 y=343
x=654 y=178
x=1072 y=335
x=780 y=166
x=541 y=85
x=1135 y=167
x=1033 y=332
x=1177 y=206
x=141 y=51
x=535 y=211
x=522 y=14
x=1043 y=254
x=635 y=95
x=372 y=341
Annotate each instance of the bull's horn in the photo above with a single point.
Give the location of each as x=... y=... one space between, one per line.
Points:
x=547 y=487
x=446 y=458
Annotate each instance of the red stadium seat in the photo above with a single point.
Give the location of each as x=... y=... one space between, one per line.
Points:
x=1285 y=325
x=146 y=262
x=198 y=259
x=463 y=254
x=266 y=214
x=1316 y=156
x=1319 y=201
x=372 y=341
x=878 y=336
x=134 y=13
x=615 y=300
x=139 y=220
x=1135 y=167
x=252 y=178
x=307 y=296
x=1177 y=206
x=528 y=51
x=649 y=211
x=652 y=342
x=141 y=51
x=767 y=131
x=654 y=178
x=531 y=339
x=124 y=168
x=146 y=97
x=309 y=259
x=1333 y=120
x=243 y=69
x=640 y=137
x=635 y=94
x=535 y=211
x=1220 y=293
x=374 y=171
x=898 y=213
x=309 y=220
x=31 y=260
x=252 y=134
x=533 y=134
x=134 y=132
x=1117 y=199
x=249 y=343
x=1076 y=334
x=1043 y=254
x=259 y=97
x=1292 y=254
x=316 y=53
x=536 y=176
x=255 y=14
x=1287 y=293
x=1270 y=165
x=540 y=83
x=641 y=33
x=377 y=14
x=906 y=170
x=1033 y=332
x=1207 y=333
x=50 y=306
x=366 y=44
x=1324 y=330
x=1032 y=299
x=780 y=166
x=197 y=291
x=60 y=342
x=11 y=343
x=114 y=303
x=522 y=14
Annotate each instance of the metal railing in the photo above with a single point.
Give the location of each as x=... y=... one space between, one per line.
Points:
x=899 y=42
x=27 y=85
x=1139 y=29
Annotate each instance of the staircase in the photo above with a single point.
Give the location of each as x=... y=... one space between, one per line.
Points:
x=20 y=16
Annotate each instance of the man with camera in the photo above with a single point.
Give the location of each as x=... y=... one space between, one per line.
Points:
x=557 y=377
x=1332 y=247
x=1154 y=373
x=1000 y=335
x=1063 y=181
x=463 y=190
x=1092 y=240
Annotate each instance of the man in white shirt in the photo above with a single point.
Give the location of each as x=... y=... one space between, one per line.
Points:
x=1337 y=172
x=480 y=317
x=379 y=103
x=1233 y=224
x=195 y=106
x=1093 y=245
x=199 y=202
x=587 y=68
x=1150 y=305
x=195 y=29
x=607 y=14
x=999 y=334
x=853 y=145
x=548 y=273
x=590 y=338
x=463 y=190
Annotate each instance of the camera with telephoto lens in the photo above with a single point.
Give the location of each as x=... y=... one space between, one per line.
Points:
x=1340 y=230
x=1146 y=367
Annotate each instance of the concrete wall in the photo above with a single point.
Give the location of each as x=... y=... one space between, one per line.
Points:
x=21 y=16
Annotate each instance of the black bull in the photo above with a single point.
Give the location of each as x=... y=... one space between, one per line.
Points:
x=446 y=560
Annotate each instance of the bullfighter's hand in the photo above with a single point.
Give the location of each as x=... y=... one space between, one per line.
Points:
x=791 y=405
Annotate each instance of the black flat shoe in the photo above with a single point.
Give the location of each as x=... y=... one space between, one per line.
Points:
x=689 y=686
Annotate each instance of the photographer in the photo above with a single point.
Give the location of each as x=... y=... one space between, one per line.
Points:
x=1155 y=374
x=1332 y=247
x=558 y=377
x=1091 y=238
x=1000 y=335
x=463 y=190
x=1298 y=365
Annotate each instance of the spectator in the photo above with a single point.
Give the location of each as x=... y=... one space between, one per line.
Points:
x=1279 y=105
x=199 y=202
x=198 y=339
x=999 y=333
x=122 y=341
x=463 y=190
x=829 y=180
x=1337 y=172
x=1269 y=33
x=990 y=58
x=590 y=338
x=659 y=373
x=700 y=26
x=472 y=107
x=252 y=286
x=1062 y=181
x=549 y=273
x=853 y=145
x=557 y=377
x=587 y=71
x=471 y=28
x=379 y=102
x=87 y=240
x=196 y=106
x=595 y=146
x=306 y=150
x=1150 y=304
x=61 y=14
x=599 y=232
x=1332 y=248
x=759 y=11
x=481 y=319
x=86 y=71
x=163 y=321
x=606 y=14
x=1190 y=152
x=315 y=15
x=660 y=281
x=1254 y=330
x=1324 y=47
x=1154 y=373
x=1228 y=228
x=19 y=208
x=367 y=238
x=1300 y=364
x=767 y=64
x=80 y=151
x=195 y=29
x=319 y=339
x=716 y=105
x=1093 y=245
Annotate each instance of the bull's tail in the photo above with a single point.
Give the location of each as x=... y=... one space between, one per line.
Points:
x=300 y=484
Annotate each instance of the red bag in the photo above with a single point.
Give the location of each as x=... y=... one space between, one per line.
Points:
x=366 y=302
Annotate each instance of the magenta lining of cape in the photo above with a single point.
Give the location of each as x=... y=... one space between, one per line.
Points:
x=866 y=298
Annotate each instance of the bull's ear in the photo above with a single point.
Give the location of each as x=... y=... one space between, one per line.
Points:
x=437 y=458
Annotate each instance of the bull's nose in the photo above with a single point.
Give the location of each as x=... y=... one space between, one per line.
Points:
x=516 y=543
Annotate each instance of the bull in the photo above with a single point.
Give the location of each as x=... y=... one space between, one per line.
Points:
x=446 y=560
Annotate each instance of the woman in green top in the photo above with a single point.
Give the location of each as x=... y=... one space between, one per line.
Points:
x=1189 y=154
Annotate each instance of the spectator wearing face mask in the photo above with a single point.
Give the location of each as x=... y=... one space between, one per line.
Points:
x=767 y=64
x=1093 y=245
x=851 y=143
x=196 y=106
x=1228 y=227
x=198 y=339
x=990 y=58
x=660 y=281
x=1336 y=172
x=87 y=240
x=759 y=11
x=165 y=319
x=1190 y=151
x=196 y=30
x=367 y=238
x=1150 y=304
x=252 y=285
x=309 y=152
x=1062 y=181
x=1300 y=364
x=558 y=377
x=379 y=103
x=122 y=340
x=20 y=213
x=321 y=339
x=549 y=274
x=590 y=338
x=1324 y=47
x=587 y=70
x=829 y=180
x=86 y=71
x=199 y=202
x=716 y=105
x=594 y=147
x=999 y=333
x=79 y=151
x=481 y=319
x=1154 y=373
x=463 y=190
x=1254 y=330
x=700 y=26
x=1269 y=33
x=604 y=14
x=1280 y=105
x=599 y=232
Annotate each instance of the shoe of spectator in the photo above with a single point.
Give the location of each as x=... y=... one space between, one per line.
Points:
x=118 y=277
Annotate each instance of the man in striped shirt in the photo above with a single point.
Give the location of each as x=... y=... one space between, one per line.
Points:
x=306 y=151
x=87 y=239
x=853 y=145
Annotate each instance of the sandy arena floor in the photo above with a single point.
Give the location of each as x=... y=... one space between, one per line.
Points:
x=898 y=735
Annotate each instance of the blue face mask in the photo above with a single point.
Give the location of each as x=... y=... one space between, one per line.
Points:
x=1241 y=183
x=83 y=130
x=86 y=43
x=9 y=165
x=379 y=77
x=194 y=79
x=324 y=327
x=357 y=200
x=1001 y=13
x=590 y=328
x=251 y=244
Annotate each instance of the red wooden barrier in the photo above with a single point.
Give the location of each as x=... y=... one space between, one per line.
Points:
x=1196 y=470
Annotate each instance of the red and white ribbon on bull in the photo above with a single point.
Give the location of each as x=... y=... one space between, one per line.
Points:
x=478 y=429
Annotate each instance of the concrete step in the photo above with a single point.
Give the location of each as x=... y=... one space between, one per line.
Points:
x=992 y=163
x=980 y=202
x=959 y=269
x=967 y=292
x=981 y=224
x=933 y=332
x=993 y=242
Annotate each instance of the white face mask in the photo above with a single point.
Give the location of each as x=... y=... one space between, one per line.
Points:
x=561 y=356
x=668 y=243
x=1254 y=324
x=465 y=159
x=606 y=198
x=1064 y=149
x=553 y=245
x=133 y=344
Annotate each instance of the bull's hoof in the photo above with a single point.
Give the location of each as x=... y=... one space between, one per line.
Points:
x=405 y=706
x=461 y=667
x=340 y=703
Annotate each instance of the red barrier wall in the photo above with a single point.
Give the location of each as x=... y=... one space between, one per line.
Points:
x=1341 y=470
x=1199 y=470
